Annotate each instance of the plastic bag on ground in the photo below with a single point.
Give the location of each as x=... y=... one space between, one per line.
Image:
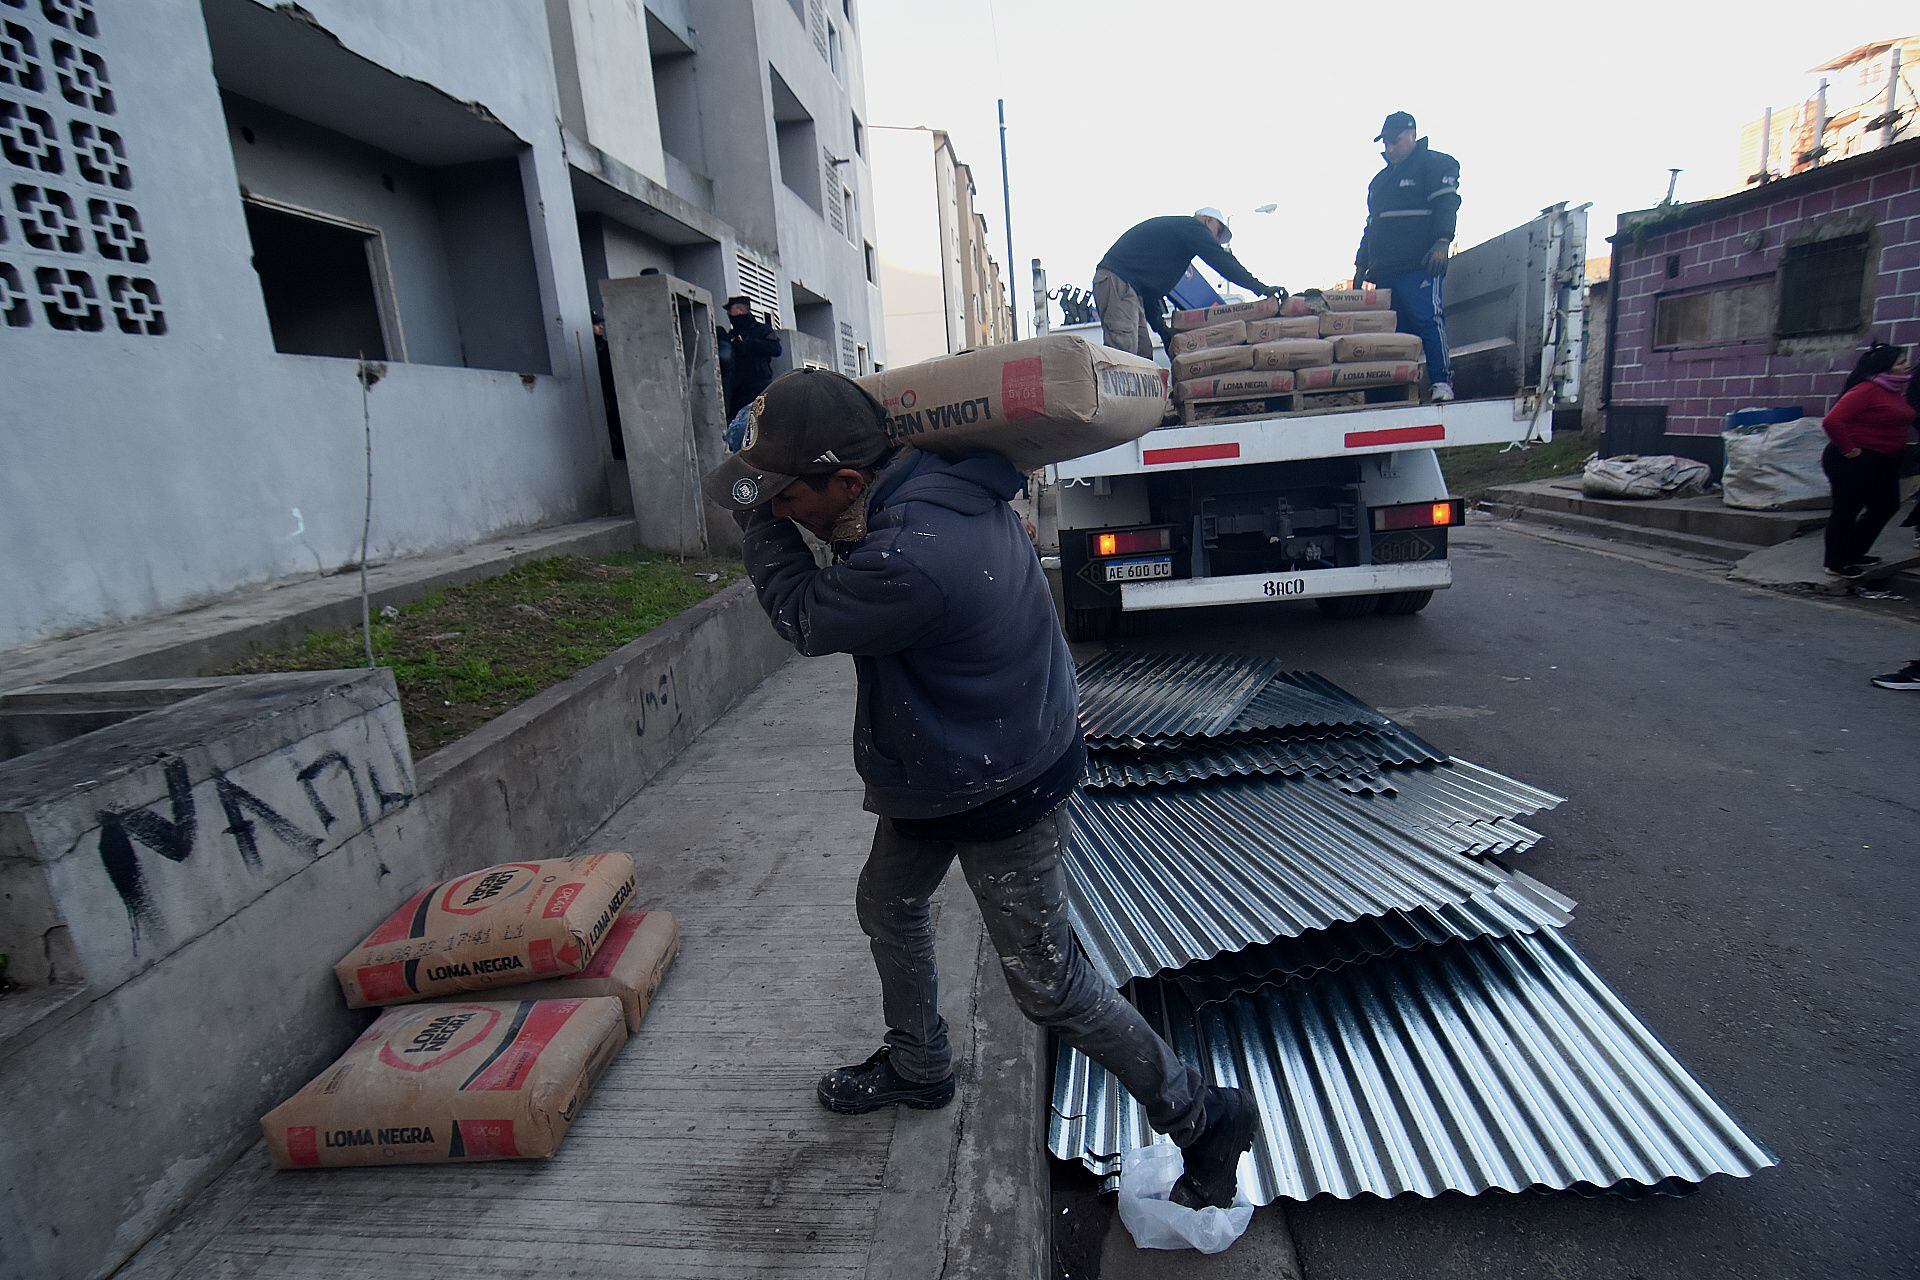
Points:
x=1660 y=475
x=1775 y=467
x=1147 y=1175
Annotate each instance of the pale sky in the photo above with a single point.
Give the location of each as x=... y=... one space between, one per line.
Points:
x=1118 y=110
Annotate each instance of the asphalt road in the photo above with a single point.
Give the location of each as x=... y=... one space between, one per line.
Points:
x=1743 y=839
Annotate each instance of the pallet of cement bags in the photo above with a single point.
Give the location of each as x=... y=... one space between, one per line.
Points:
x=489 y=928
x=630 y=965
x=429 y=1083
x=1034 y=402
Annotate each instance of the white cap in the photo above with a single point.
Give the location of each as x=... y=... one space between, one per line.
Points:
x=1210 y=212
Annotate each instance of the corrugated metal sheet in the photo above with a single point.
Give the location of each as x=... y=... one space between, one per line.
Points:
x=1173 y=695
x=1503 y=1062
x=1282 y=703
x=1324 y=756
x=1162 y=877
x=1530 y=907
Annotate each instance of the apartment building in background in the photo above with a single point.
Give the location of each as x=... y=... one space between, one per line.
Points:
x=941 y=284
x=1855 y=102
x=215 y=210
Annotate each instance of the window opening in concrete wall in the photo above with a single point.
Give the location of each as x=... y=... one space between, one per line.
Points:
x=676 y=95
x=324 y=281
x=1741 y=312
x=835 y=56
x=799 y=145
x=1823 y=286
x=865 y=359
x=846 y=7
x=817 y=23
x=816 y=338
x=852 y=218
x=873 y=273
x=859 y=138
x=799 y=8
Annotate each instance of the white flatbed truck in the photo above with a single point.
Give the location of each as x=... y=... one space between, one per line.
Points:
x=1345 y=507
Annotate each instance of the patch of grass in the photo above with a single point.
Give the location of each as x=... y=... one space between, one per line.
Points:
x=1472 y=471
x=464 y=655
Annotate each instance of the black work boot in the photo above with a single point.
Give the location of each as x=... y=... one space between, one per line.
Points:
x=874 y=1084
x=1213 y=1158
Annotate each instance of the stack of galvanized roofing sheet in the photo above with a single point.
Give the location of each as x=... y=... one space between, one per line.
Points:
x=1303 y=896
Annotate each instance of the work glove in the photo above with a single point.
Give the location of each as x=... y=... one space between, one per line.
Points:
x=1436 y=263
x=1273 y=291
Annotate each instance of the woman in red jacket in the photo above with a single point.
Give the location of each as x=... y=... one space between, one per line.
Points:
x=1868 y=428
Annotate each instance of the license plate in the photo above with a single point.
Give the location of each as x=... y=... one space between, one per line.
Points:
x=1136 y=570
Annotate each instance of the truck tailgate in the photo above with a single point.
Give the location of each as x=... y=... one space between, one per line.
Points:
x=1324 y=435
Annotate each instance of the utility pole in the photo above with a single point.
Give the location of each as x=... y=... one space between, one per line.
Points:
x=1006 y=196
x=1889 y=115
x=1673 y=180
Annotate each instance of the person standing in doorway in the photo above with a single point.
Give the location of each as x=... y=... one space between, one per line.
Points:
x=1130 y=285
x=753 y=345
x=1412 y=207
x=1867 y=429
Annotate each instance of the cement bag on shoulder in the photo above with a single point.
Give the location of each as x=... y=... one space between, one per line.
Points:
x=1658 y=475
x=428 y=1083
x=1147 y=1175
x=1034 y=402
x=1775 y=468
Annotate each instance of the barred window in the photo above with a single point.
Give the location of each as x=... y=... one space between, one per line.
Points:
x=1823 y=286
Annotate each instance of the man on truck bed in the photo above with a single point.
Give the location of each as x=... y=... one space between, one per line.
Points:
x=1412 y=206
x=1132 y=280
x=966 y=732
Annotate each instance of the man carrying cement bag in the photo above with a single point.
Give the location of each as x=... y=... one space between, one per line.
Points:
x=1130 y=285
x=966 y=734
x=1412 y=206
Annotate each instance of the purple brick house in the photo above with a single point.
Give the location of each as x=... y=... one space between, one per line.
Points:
x=1760 y=298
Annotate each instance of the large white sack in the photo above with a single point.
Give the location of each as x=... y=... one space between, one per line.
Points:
x=1775 y=468
x=1658 y=475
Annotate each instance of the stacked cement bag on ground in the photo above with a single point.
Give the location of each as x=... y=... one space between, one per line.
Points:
x=532 y=975
x=1267 y=348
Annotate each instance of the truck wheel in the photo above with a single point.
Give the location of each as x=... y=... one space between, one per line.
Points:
x=1092 y=624
x=1397 y=604
x=1345 y=606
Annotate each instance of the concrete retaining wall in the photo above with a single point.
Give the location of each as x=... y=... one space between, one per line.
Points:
x=156 y=1029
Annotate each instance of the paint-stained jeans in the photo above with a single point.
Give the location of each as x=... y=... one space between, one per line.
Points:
x=1021 y=887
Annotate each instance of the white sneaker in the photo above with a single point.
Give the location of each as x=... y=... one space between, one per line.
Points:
x=1442 y=392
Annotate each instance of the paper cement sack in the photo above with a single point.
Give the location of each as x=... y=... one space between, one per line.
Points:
x=1033 y=402
x=1364 y=299
x=1377 y=373
x=1228 y=386
x=1335 y=323
x=1200 y=364
x=489 y=928
x=1378 y=346
x=1258 y=309
x=1292 y=353
x=426 y=1083
x=1259 y=331
x=632 y=960
x=1228 y=334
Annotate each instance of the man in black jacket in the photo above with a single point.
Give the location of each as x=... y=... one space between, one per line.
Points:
x=1412 y=207
x=966 y=733
x=1130 y=285
x=752 y=344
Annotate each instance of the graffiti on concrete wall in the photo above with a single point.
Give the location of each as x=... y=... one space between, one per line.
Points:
x=660 y=706
x=300 y=802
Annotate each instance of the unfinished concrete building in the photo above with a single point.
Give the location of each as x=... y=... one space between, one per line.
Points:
x=215 y=210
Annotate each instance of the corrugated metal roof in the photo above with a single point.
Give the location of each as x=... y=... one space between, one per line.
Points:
x=1175 y=695
x=1503 y=1062
x=1284 y=703
x=1162 y=877
x=1528 y=908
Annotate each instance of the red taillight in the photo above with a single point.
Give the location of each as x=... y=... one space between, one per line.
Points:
x=1132 y=542
x=1419 y=515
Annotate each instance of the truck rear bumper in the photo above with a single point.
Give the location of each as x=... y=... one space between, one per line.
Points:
x=1306 y=584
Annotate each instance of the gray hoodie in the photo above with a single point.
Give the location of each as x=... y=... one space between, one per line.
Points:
x=966 y=688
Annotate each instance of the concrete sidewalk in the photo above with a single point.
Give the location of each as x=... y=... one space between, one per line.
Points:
x=703 y=1152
